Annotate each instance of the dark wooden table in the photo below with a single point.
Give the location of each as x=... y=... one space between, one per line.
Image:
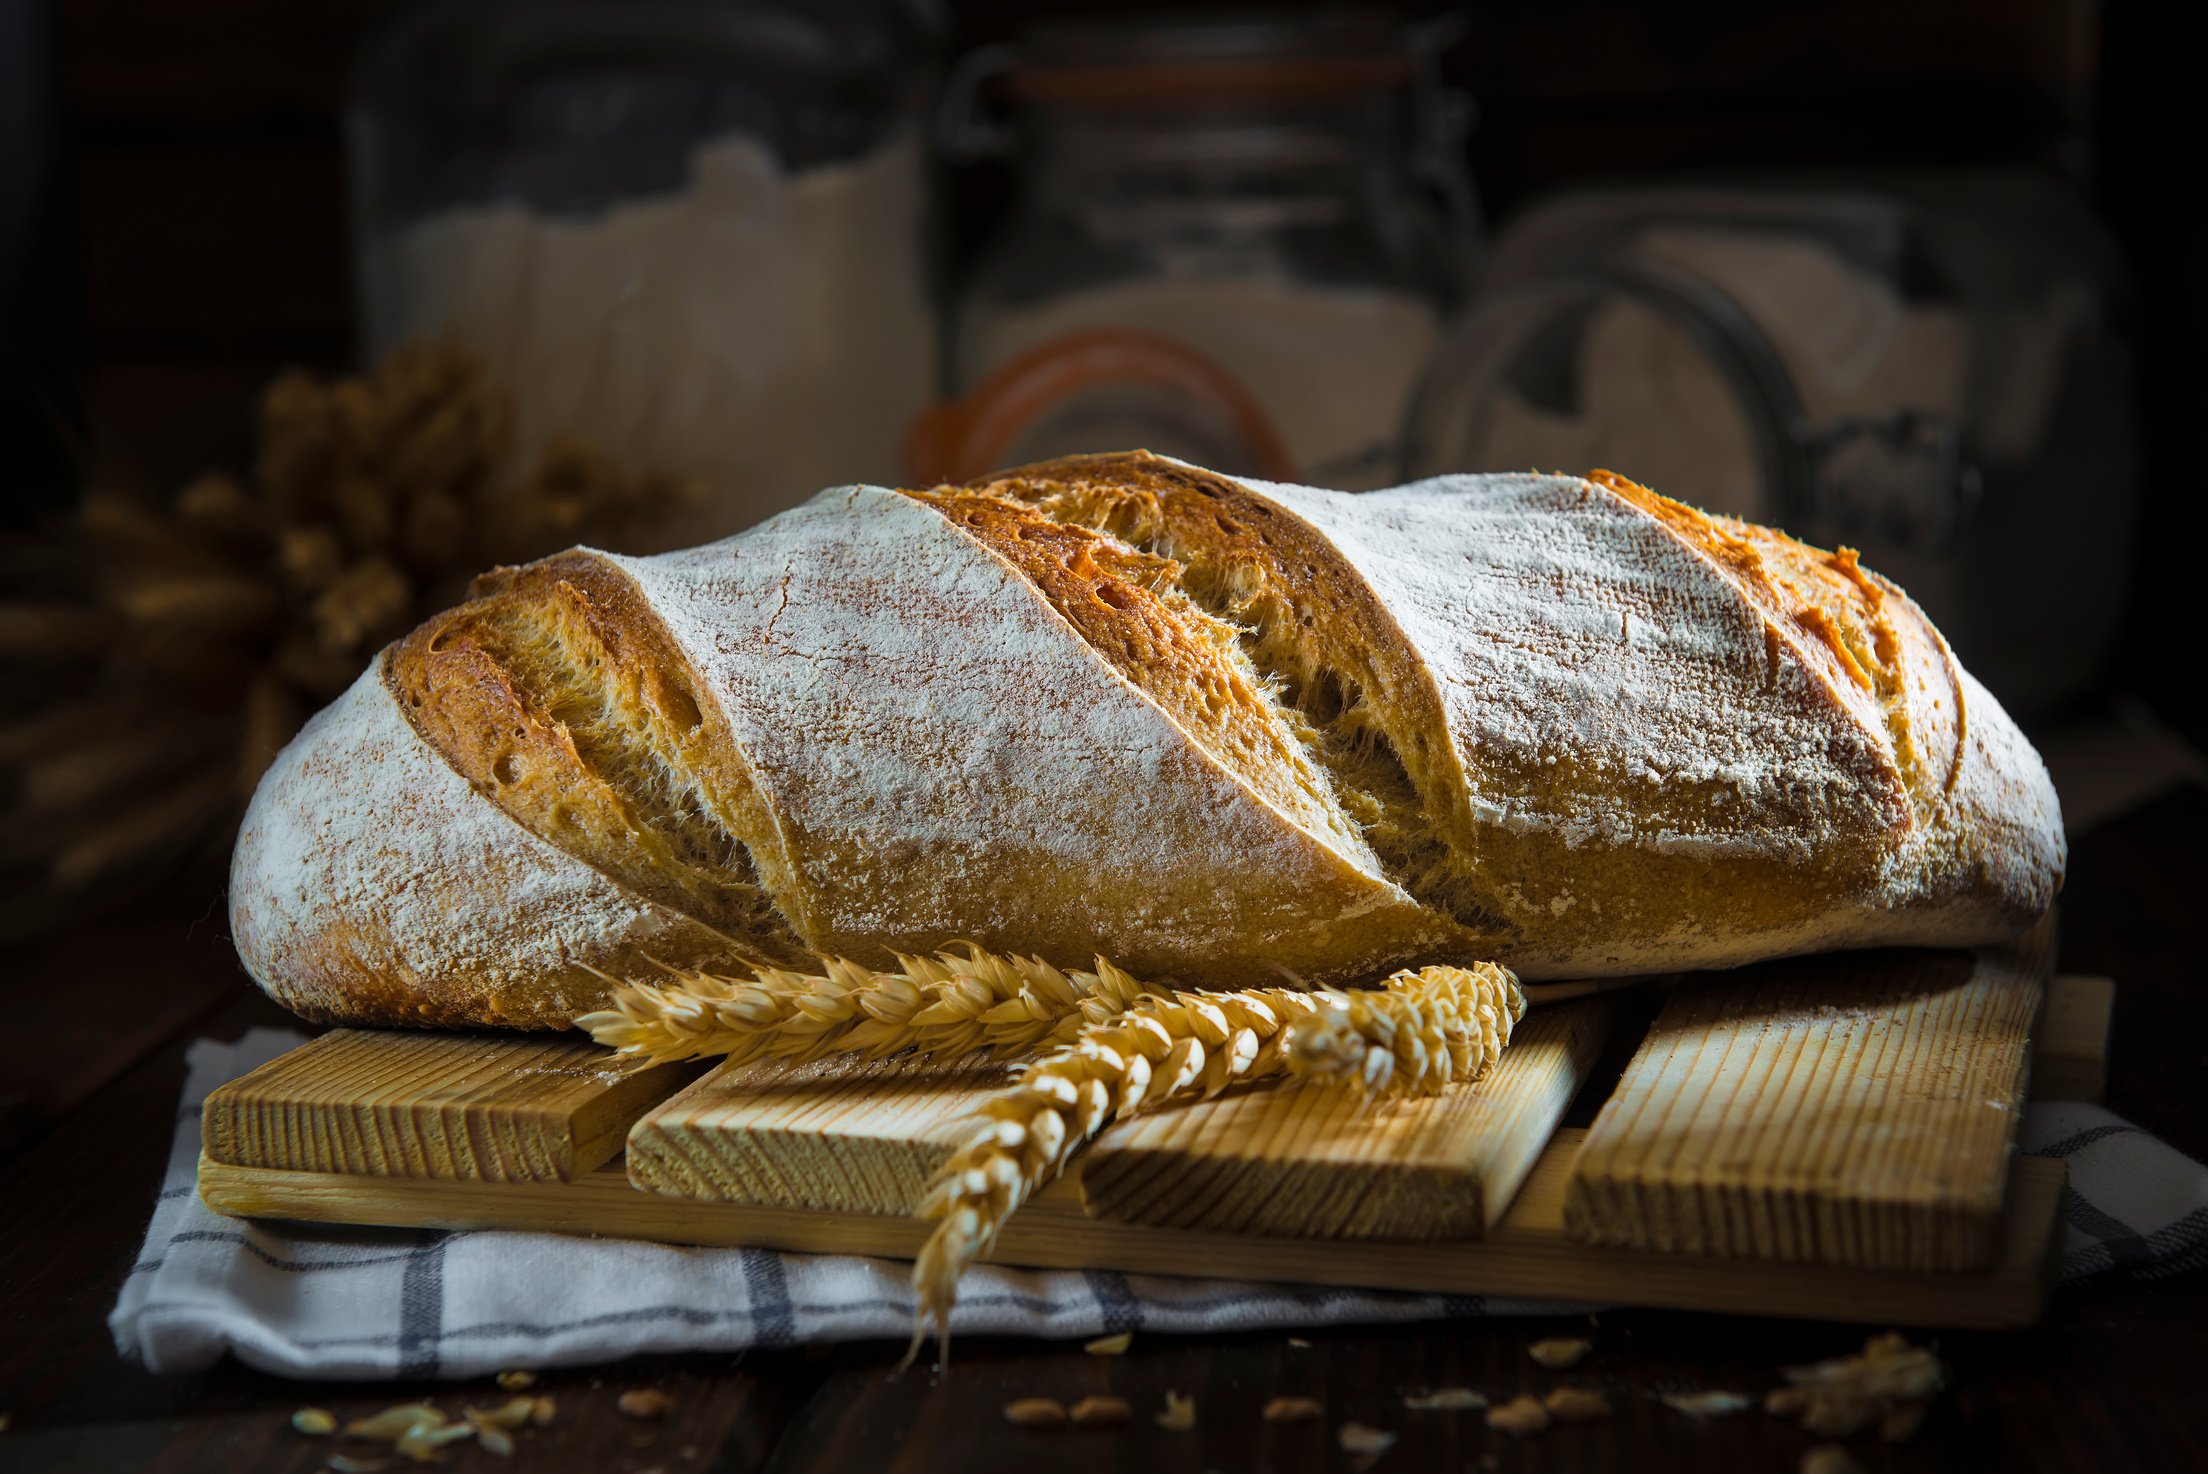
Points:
x=91 y=1062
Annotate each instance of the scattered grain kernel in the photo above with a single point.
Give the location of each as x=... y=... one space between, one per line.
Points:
x=1292 y=1410
x=395 y=1422
x=1101 y=1412
x=1829 y=1458
x=645 y=1402
x=516 y=1380
x=1577 y=1405
x=1179 y=1415
x=1559 y=1353
x=315 y=1422
x=421 y=1442
x=1365 y=1442
x=1518 y=1417
x=510 y=1414
x=543 y=1411
x=495 y=1440
x=1035 y=1412
x=1444 y=1400
x=1786 y=1402
x=1877 y=1387
x=1111 y=1345
x=1299 y=1343
x=1707 y=1404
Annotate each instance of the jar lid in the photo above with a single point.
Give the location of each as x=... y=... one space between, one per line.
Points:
x=1173 y=60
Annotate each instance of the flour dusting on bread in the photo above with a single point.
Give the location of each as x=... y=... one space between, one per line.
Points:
x=371 y=882
x=949 y=758
x=1230 y=733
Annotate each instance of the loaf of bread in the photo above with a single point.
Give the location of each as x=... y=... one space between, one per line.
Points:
x=1220 y=731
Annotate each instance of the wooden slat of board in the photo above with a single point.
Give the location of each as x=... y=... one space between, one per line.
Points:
x=857 y=1136
x=1847 y=1109
x=1527 y=1255
x=394 y=1103
x=2070 y=1047
x=1313 y=1163
x=1318 y=1164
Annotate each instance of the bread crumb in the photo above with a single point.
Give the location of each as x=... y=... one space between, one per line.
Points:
x=1577 y=1405
x=1518 y=1417
x=1101 y=1412
x=645 y=1402
x=1888 y=1385
x=1444 y=1400
x=1367 y=1444
x=1558 y=1353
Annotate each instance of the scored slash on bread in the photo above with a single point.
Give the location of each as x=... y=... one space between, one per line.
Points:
x=1227 y=732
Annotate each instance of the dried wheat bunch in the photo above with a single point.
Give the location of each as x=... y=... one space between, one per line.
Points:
x=1417 y=1032
x=172 y=645
x=954 y=1003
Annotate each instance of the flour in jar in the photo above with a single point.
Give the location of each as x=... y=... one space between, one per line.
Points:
x=766 y=332
x=1331 y=369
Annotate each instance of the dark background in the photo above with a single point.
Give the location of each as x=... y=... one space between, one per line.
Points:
x=172 y=227
x=172 y=234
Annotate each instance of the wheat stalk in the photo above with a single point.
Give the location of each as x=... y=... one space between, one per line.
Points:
x=951 y=1004
x=1417 y=1032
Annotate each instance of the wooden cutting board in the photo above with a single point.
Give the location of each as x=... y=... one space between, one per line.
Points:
x=1526 y=1255
x=1468 y=1193
x=1855 y=1108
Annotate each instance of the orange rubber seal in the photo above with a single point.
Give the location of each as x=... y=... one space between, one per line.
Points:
x=963 y=439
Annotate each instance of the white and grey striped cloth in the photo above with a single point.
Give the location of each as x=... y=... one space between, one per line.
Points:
x=349 y=1303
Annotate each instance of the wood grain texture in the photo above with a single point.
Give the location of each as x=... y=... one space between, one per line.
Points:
x=2094 y=1388
x=844 y=1134
x=391 y=1103
x=1319 y=1164
x=1527 y=1254
x=2070 y=1046
x=1853 y=1109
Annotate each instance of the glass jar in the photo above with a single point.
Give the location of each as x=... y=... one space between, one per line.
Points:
x=687 y=231
x=1234 y=241
x=1928 y=370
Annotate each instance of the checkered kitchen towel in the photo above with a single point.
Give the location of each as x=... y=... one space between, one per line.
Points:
x=343 y=1303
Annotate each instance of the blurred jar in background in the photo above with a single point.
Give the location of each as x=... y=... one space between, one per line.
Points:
x=1930 y=370
x=1235 y=242
x=688 y=231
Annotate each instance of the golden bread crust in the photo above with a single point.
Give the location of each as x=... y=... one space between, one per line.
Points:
x=372 y=885
x=947 y=756
x=1219 y=730
x=557 y=695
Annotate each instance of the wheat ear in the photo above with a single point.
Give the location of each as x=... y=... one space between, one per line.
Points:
x=1414 y=1034
x=951 y=1004
x=1430 y=1027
